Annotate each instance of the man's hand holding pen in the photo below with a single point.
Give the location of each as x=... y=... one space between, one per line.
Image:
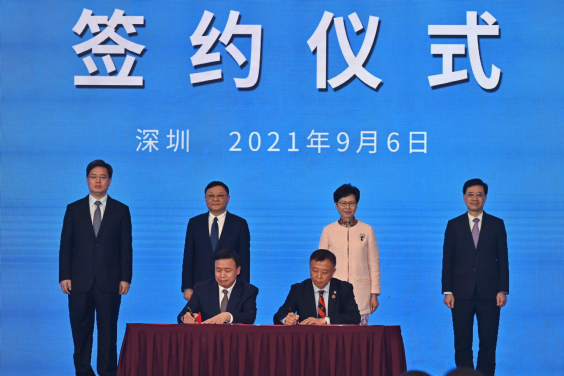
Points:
x=292 y=319
x=190 y=318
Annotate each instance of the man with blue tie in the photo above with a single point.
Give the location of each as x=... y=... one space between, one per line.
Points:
x=225 y=299
x=95 y=267
x=210 y=232
x=475 y=277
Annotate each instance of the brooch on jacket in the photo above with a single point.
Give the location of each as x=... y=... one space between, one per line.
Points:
x=334 y=293
x=362 y=236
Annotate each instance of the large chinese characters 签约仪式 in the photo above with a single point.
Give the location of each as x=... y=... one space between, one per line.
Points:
x=205 y=38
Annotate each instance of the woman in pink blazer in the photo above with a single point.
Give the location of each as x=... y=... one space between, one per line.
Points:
x=354 y=244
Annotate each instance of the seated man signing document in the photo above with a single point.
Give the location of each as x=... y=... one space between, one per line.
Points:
x=225 y=299
x=321 y=299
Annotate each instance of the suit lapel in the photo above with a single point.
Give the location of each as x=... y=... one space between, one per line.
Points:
x=467 y=231
x=86 y=218
x=236 y=295
x=203 y=223
x=311 y=299
x=484 y=231
x=224 y=230
x=213 y=294
x=108 y=212
x=333 y=296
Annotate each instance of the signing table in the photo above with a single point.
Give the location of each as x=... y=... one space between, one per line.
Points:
x=254 y=350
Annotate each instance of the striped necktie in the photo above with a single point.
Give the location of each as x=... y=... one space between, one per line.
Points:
x=97 y=221
x=321 y=310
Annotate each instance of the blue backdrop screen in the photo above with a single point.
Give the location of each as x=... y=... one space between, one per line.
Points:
x=285 y=101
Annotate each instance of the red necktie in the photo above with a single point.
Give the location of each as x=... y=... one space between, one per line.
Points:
x=321 y=311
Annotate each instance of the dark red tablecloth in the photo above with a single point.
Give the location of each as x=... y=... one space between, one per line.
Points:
x=247 y=350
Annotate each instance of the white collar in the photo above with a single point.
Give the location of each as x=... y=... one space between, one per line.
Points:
x=325 y=288
x=92 y=200
x=228 y=289
x=471 y=217
x=219 y=217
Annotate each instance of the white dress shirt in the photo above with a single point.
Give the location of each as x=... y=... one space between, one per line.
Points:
x=92 y=200
x=471 y=221
x=228 y=295
x=220 y=222
x=325 y=298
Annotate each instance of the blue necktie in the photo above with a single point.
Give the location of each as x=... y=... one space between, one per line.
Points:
x=214 y=235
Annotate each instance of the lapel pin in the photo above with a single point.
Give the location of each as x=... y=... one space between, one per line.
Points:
x=333 y=297
x=362 y=236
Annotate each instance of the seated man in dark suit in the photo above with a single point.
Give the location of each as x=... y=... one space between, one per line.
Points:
x=225 y=299
x=321 y=299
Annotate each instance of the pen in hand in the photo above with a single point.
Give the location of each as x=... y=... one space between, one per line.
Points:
x=191 y=313
x=290 y=310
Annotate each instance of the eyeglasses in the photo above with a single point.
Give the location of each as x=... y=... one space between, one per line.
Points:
x=219 y=197
x=477 y=195
x=351 y=204
x=94 y=177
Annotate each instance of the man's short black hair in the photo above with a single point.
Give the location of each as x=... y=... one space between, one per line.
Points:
x=415 y=373
x=215 y=184
x=323 y=254
x=473 y=182
x=346 y=190
x=99 y=163
x=464 y=371
x=225 y=254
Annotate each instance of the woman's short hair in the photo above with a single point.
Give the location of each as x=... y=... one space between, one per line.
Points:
x=346 y=190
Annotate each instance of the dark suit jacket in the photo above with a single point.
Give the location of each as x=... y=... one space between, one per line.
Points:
x=342 y=306
x=466 y=268
x=242 y=303
x=85 y=258
x=199 y=260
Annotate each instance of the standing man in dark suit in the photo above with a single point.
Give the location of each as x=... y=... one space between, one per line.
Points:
x=95 y=269
x=225 y=299
x=475 y=277
x=321 y=299
x=210 y=232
